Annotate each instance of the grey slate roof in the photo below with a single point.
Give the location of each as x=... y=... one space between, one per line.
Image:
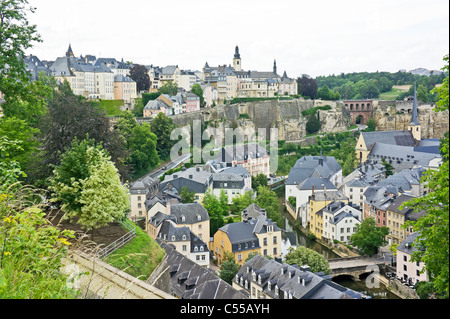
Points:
x=318 y=183
x=194 y=178
x=192 y=213
x=185 y=279
x=404 y=180
x=242 y=235
x=310 y=166
x=170 y=233
x=401 y=138
x=409 y=245
x=298 y=282
x=241 y=152
x=406 y=155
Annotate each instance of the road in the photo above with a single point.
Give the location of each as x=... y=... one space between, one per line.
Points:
x=160 y=171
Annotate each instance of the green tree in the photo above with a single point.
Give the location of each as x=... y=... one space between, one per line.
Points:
x=371 y=125
x=139 y=74
x=186 y=195
x=162 y=127
x=389 y=168
x=87 y=185
x=268 y=200
x=215 y=209
x=369 y=237
x=242 y=201
x=349 y=164
x=313 y=124
x=260 y=179
x=23 y=99
x=169 y=88
x=303 y=256
x=26 y=136
x=432 y=243
x=10 y=170
x=228 y=270
x=197 y=90
x=422 y=93
x=71 y=116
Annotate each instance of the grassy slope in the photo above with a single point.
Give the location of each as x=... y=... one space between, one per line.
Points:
x=139 y=257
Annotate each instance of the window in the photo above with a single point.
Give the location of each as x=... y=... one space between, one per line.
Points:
x=405 y=258
x=265 y=241
x=184 y=247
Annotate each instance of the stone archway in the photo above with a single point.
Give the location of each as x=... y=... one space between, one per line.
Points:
x=359 y=119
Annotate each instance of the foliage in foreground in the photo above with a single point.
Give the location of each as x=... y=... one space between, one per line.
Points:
x=31 y=250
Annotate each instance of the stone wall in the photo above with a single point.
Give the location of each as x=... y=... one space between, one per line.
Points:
x=286 y=116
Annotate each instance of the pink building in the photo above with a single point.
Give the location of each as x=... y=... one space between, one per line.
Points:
x=192 y=103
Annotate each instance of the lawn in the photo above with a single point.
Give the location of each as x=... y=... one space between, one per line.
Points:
x=139 y=257
x=390 y=95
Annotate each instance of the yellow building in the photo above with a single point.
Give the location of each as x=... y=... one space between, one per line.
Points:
x=253 y=235
x=396 y=218
x=317 y=201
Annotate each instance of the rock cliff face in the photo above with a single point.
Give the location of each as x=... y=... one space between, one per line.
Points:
x=391 y=118
x=286 y=116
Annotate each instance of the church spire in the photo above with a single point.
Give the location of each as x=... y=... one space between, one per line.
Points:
x=275 y=66
x=69 y=52
x=415 y=126
x=236 y=53
x=414 y=119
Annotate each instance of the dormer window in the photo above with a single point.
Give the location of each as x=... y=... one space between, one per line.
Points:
x=199 y=218
x=269 y=286
x=276 y=290
x=183 y=218
x=173 y=237
x=184 y=237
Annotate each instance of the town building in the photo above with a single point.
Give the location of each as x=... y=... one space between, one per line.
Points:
x=252 y=156
x=194 y=178
x=255 y=234
x=139 y=193
x=318 y=200
x=396 y=219
x=268 y=279
x=340 y=220
x=410 y=272
x=124 y=89
x=310 y=173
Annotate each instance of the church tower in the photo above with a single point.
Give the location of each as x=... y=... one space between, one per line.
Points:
x=415 y=126
x=274 y=67
x=237 y=60
x=69 y=52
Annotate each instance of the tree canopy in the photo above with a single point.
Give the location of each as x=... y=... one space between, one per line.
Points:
x=303 y=256
x=87 y=185
x=369 y=237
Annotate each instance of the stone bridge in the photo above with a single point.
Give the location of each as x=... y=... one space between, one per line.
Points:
x=355 y=266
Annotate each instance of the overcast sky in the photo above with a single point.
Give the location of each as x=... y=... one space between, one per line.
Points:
x=319 y=37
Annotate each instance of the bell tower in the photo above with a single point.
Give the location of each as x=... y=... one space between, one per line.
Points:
x=237 y=60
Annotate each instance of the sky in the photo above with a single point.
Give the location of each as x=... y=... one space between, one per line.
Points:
x=320 y=37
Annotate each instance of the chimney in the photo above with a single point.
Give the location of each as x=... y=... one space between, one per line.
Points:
x=223 y=154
